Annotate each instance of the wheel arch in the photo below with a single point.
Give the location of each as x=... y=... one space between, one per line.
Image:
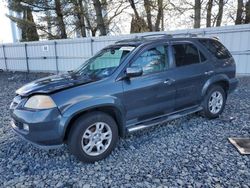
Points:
x=109 y=109
x=221 y=80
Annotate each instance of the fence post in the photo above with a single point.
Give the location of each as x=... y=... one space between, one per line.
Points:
x=5 y=59
x=26 y=58
x=56 y=57
x=204 y=33
x=91 y=46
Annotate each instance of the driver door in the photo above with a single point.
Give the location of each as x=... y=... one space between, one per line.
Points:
x=149 y=95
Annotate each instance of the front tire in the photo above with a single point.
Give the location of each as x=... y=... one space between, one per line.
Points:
x=93 y=137
x=214 y=102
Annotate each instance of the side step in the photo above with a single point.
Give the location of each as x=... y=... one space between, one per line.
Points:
x=162 y=119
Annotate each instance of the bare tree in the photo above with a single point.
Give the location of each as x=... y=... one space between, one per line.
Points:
x=132 y=3
x=29 y=31
x=138 y=24
x=61 y=24
x=99 y=17
x=26 y=23
x=54 y=17
x=79 y=13
x=247 y=9
x=220 y=13
x=197 y=14
x=105 y=13
x=154 y=16
x=239 y=13
x=48 y=20
x=159 y=15
x=57 y=19
x=147 y=6
x=209 y=12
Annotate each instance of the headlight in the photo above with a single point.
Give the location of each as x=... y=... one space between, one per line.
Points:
x=40 y=102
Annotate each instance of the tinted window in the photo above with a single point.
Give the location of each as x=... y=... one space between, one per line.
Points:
x=185 y=54
x=216 y=48
x=152 y=60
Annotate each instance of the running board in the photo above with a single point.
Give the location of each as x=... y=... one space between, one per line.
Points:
x=163 y=119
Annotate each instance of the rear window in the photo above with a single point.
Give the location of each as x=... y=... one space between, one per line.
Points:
x=216 y=48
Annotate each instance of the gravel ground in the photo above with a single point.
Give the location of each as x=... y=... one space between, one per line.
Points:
x=188 y=152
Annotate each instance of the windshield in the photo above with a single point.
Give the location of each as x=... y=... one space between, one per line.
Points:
x=104 y=63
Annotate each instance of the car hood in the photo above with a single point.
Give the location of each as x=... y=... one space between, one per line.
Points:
x=52 y=83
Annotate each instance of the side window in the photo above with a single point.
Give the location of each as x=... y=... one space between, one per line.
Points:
x=152 y=60
x=186 y=54
x=216 y=48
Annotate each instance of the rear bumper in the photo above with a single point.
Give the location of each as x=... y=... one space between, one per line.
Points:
x=233 y=83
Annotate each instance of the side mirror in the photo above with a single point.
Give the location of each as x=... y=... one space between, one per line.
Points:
x=134 y=71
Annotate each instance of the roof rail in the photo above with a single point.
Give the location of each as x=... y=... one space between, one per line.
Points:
x=155 y=35
x=186 y=34
x=138 y=38
x=127 y=40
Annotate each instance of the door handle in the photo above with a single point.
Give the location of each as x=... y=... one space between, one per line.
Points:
x=209 y=72
x=169 y=81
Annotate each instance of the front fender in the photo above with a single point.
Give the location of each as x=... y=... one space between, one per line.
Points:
x=79 y=107
x=212 y=80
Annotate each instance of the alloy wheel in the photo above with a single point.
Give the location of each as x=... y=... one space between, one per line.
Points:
x=215 y=102
x=96 y=139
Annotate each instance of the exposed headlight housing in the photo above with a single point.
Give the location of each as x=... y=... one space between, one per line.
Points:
x=40 y=102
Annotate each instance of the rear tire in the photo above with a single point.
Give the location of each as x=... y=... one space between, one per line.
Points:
x=93 y=137
x=214 y=102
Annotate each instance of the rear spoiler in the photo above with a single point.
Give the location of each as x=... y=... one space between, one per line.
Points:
x=215 y=37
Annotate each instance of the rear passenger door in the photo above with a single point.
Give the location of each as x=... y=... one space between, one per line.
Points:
x=224 y=61
x=192 y=69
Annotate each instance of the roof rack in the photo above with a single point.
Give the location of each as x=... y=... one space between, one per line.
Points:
x=155 y=35
x=143 y=37
x=186 y=34
x=127 y=40
x=162 y=36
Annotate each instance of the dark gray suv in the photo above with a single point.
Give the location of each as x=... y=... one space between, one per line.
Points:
x=127 y=86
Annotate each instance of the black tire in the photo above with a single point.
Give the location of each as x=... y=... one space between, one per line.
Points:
x=207 y=112
x=78 y=129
